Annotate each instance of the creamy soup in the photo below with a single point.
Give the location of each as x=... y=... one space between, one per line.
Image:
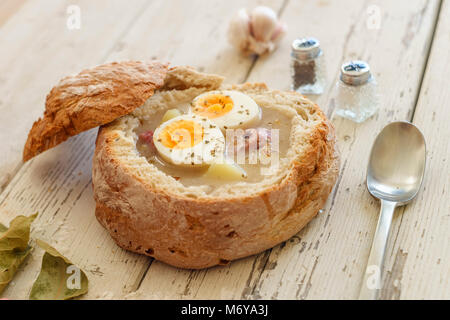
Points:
x=262 y=149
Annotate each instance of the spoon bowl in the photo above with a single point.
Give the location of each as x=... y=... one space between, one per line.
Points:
x=397 y=163
x=394 y=175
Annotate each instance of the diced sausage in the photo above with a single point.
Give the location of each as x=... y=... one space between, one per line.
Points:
x=147 y=138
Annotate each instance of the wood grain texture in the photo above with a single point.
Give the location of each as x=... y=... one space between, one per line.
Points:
x=40 y=50
x=58 y=182
x=307 y=266
x=327 y=259
x=419 y=260
x=8 y=8
x=198 y=38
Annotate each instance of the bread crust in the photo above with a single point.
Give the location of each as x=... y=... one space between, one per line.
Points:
x=206 y=231
x=215 y=233
x=92 y=98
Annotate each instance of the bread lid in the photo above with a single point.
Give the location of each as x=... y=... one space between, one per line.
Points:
x=93 y=98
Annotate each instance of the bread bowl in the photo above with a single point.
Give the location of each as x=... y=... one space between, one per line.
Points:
x=193 y=214
x=149 y=211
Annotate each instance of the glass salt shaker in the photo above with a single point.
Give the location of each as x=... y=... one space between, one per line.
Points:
x=356 y=94
x=307 y=66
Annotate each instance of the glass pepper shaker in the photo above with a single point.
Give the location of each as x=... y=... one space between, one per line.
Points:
x=307 y=66
x=356 y=94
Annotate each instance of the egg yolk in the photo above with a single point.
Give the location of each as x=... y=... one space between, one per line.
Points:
x=181 y=134
x=213 y=105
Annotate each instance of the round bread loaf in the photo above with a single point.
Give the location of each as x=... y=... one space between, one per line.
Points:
x=149 y=212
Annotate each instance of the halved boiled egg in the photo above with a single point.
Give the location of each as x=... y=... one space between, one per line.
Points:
x=228 y=109
x=189 y=140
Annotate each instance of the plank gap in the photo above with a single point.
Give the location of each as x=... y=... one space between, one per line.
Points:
x=427 y=59
x=256 y=57
x=249 y=71
x=143 y=275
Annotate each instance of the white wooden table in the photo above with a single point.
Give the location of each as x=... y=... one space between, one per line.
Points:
x=409 y=50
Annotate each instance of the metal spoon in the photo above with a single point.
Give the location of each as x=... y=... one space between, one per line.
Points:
x=394 y=175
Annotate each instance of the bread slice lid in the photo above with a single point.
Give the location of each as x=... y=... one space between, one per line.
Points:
x=92 y=98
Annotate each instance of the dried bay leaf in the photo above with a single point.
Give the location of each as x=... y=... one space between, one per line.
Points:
x=14 y=247
x=59 y=278
x=10 y=261
x=18 y=233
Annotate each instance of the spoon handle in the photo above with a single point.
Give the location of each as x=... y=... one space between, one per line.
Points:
x=372 y=278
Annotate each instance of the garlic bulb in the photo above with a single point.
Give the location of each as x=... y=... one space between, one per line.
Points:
x=256 y=33
x=239 y=30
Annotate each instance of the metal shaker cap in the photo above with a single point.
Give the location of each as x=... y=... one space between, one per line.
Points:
x=306 y=48
x=355 y=73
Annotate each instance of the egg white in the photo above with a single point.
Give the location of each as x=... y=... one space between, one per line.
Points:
x=245 y=112
x=209 y=150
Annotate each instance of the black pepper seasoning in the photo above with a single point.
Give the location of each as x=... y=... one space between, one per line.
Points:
x=307 y=66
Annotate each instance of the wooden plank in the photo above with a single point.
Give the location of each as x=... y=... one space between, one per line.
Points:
x=57 y=183
x=58 y=186
x=34 y=61
x=328 y=258
x=237 y=280
x=419 y=261
x=201 y=43
x=8 y=8
x=52 y=185
x=308 y=266
x=38 y=49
